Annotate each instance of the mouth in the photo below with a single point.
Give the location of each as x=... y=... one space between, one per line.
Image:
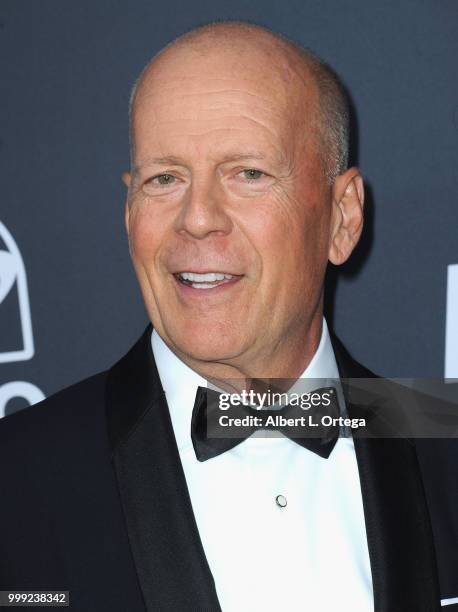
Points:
x=207 y=280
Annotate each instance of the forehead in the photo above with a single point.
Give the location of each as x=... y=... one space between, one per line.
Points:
x=239 y=95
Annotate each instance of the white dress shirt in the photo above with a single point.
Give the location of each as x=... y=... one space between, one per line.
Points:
x=309 y=555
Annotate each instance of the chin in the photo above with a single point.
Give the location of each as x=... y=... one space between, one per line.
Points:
x=207 y=344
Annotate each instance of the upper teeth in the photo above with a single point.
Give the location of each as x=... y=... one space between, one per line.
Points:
x=208 y=277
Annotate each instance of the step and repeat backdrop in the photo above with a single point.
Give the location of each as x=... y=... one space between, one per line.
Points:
x=69 y=301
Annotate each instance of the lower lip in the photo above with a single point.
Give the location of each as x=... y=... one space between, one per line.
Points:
x=190 y=291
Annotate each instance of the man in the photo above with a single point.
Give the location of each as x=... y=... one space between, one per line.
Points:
x=238 y=196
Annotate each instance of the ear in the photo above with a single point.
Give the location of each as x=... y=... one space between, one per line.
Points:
x=347 y=215
x=126 y=178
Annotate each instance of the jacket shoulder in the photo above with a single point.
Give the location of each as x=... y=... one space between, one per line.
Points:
x=348 y=366
x=68 y=412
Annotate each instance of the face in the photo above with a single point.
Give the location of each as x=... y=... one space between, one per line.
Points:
x=228 y=212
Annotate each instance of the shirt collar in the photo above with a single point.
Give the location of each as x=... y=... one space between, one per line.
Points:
x=180 y=382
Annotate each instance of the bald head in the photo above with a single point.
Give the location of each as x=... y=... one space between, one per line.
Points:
x=314 y=97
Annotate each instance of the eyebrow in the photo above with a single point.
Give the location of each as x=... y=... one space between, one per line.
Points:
x=160 y=161
x=241 y=157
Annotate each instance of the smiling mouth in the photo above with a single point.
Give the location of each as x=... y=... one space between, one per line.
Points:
x=206 y=280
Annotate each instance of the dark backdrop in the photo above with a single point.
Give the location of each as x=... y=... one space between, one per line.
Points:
x=66 y=72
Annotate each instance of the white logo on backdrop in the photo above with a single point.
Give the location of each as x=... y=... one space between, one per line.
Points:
x=12 y=273
x=19 y=388
x=451 y=323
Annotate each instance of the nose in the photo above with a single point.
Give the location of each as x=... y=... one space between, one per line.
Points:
x=203 y=211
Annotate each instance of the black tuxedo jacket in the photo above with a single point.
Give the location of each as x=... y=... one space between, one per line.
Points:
x=94 y=501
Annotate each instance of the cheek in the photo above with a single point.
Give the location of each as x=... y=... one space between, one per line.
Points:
x=144 y=234
x=292 y=244
x=289 y=232
x=312 y=245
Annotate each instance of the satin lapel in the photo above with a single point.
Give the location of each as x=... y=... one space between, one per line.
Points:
x=400 y=541
x=164 y=539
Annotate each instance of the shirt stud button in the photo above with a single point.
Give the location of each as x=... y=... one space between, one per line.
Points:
x=281 y=501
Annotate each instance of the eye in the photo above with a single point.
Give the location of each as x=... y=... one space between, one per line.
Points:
x=251 y=174
x=163 y=179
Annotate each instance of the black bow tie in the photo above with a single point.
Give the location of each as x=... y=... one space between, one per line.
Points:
x=207 y=433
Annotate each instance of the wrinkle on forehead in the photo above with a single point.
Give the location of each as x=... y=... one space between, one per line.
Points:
x=185 y=84
x=208 y=105
x=194 y=76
